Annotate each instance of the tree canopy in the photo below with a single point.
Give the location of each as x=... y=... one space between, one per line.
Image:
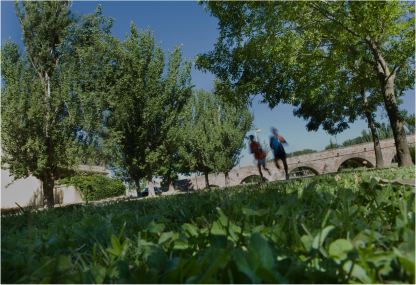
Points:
x=215 y=133
x=146 y=105
x=383 y=132
x=51 y=109
x=285 y=50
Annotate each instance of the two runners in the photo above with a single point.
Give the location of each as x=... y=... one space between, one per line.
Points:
x=276 y=146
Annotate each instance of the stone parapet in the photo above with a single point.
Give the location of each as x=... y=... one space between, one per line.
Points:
x=327 y=161
x=94 y=168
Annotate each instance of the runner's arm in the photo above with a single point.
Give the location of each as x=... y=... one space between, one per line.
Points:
x=281 y=139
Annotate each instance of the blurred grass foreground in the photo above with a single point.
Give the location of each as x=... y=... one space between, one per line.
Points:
x=338 y=228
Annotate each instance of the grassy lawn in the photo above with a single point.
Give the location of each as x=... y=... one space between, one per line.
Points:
x=338 y=228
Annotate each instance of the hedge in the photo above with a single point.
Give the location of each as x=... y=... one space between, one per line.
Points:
x=96 y=187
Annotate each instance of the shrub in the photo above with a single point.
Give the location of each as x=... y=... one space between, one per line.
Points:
x=96 y=187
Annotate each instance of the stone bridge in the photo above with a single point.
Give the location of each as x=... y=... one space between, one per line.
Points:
x=326 y=161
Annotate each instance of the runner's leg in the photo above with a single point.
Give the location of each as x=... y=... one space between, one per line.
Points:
x=275 y=162
x=285 y=165
x=268 y=171
x=263 y=162
x=259 y=165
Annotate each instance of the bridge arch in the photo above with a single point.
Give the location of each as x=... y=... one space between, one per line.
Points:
x=354 y=156
x=310 y=166
x=252 y=174
x=389 y=157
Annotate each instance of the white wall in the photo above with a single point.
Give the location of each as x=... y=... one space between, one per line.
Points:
x=28 y=192
x=23 y=191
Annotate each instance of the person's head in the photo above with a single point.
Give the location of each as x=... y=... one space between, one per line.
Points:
x=251 y=138
x=274 y=130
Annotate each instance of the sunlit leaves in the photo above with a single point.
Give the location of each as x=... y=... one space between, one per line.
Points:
x=147 y=106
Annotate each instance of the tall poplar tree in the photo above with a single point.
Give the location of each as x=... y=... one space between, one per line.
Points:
x=146 y=106
x=175 y=163
x=263 y=45
x=215 y=133
x=50 y=111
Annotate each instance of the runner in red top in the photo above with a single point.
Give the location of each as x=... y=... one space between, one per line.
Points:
x=259 y=155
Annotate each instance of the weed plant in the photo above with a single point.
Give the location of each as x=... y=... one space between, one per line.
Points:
x=340 y=228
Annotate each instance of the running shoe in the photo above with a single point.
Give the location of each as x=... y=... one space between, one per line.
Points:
x=287 y=176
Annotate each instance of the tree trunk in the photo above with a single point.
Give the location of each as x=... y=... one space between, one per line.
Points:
x=206 y=179
x=48 y=184
x=150 y=188
x=170 y=185
x=227 y=179
x=376 y=141
x=137 y=181
x=169 y=180
x=396 y=123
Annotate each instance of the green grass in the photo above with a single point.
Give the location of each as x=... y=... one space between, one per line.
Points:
x=327 y=229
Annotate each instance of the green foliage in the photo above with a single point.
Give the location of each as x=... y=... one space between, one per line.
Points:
x=350 y=164
x=214 y=133
x=264 y=46
x=146 y=106
x=410 y=122
x=384 y=132
x=95 y=187
x=364 y=138
x=326 y=229
x=51 y=109
x=176 y=165
x=337 y=99
x=323 y=57
x=332 y=145
x=412 y=152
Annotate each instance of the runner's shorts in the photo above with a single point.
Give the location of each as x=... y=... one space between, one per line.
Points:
x=261 y=161
x=280 y=156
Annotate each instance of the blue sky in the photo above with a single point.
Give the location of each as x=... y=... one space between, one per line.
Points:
x=187 y=23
